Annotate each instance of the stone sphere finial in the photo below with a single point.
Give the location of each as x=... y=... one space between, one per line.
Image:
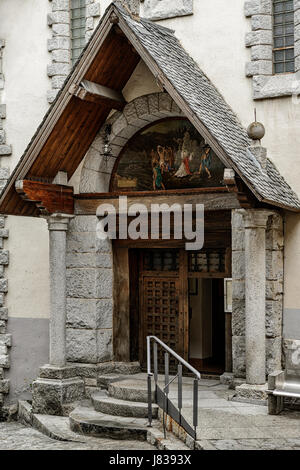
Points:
x=256 y=130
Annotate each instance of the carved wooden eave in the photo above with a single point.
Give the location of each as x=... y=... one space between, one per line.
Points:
x=46 y=198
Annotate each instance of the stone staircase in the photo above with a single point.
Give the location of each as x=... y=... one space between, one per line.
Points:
x=118 y=409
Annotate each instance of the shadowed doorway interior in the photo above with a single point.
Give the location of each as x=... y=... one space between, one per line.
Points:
x=207 y=325
x=173 y=301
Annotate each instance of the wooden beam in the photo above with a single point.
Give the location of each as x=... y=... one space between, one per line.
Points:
x=121 y=295
x=48 y=198
x=88 y=204
x=99 y=94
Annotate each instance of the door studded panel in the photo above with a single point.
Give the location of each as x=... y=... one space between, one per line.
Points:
x=161 y=311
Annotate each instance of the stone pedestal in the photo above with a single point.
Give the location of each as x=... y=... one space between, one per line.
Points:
x=254 y=394
x=227 y=378
x=57 y=388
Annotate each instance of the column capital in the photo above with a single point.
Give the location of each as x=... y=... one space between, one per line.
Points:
x=256 y=218
x=59 y=222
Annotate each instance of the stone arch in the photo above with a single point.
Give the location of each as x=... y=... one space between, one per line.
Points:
x=96 y=173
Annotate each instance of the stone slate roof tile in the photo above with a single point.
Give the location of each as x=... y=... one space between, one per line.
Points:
x=211 y=109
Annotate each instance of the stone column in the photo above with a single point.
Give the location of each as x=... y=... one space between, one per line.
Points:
x=57 y=389
x=58 y=226
x=255 y=293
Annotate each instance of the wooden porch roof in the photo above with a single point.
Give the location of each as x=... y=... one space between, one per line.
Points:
x=80 y=109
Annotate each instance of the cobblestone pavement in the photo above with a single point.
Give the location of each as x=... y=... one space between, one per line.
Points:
x=15 y=436
x=254 y=444
x=225 y=424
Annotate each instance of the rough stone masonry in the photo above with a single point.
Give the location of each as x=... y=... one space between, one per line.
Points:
x=5 y=339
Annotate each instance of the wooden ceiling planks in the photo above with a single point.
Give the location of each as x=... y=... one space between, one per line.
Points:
x=79 y=122
x=114 y=63
x=74 y=131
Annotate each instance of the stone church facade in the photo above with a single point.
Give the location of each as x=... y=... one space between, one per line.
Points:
x=72 y=303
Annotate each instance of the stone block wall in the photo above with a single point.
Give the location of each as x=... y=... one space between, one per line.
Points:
x=5 y=149
x=260 y=42
x=5 y=338
x=59 y=46
x=274 y=292
x=89 y=293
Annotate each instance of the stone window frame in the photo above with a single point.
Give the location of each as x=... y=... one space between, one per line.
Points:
x=266 y=84
x=154 y=10
x=59 y=46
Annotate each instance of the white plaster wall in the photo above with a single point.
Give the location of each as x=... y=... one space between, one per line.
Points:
x=103 y=5
x=28 y=271
x=292 y=264
x=23 y=25
x=141 y=82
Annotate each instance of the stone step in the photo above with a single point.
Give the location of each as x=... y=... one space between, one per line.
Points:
x=103 y=381
x=123 y=368
x=116 y=407
x=87 y=421
x=130 y=390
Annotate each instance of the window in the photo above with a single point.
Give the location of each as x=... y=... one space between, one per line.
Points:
x=77 y=28
x=283 y=34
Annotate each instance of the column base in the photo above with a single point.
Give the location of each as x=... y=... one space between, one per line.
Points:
x=57 y=390
x=254 y=394
x=227 y=378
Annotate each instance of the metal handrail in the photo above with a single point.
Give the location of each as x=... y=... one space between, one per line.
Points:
x=165 y=391
x=170 y=351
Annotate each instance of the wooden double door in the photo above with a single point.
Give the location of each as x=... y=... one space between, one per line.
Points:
x=163 y=301
x=155 y=293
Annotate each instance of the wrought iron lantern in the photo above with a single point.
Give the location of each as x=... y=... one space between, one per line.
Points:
x=107 y=152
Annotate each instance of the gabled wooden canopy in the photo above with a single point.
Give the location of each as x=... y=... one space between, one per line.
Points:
x=94 y=88
x=90 y=92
